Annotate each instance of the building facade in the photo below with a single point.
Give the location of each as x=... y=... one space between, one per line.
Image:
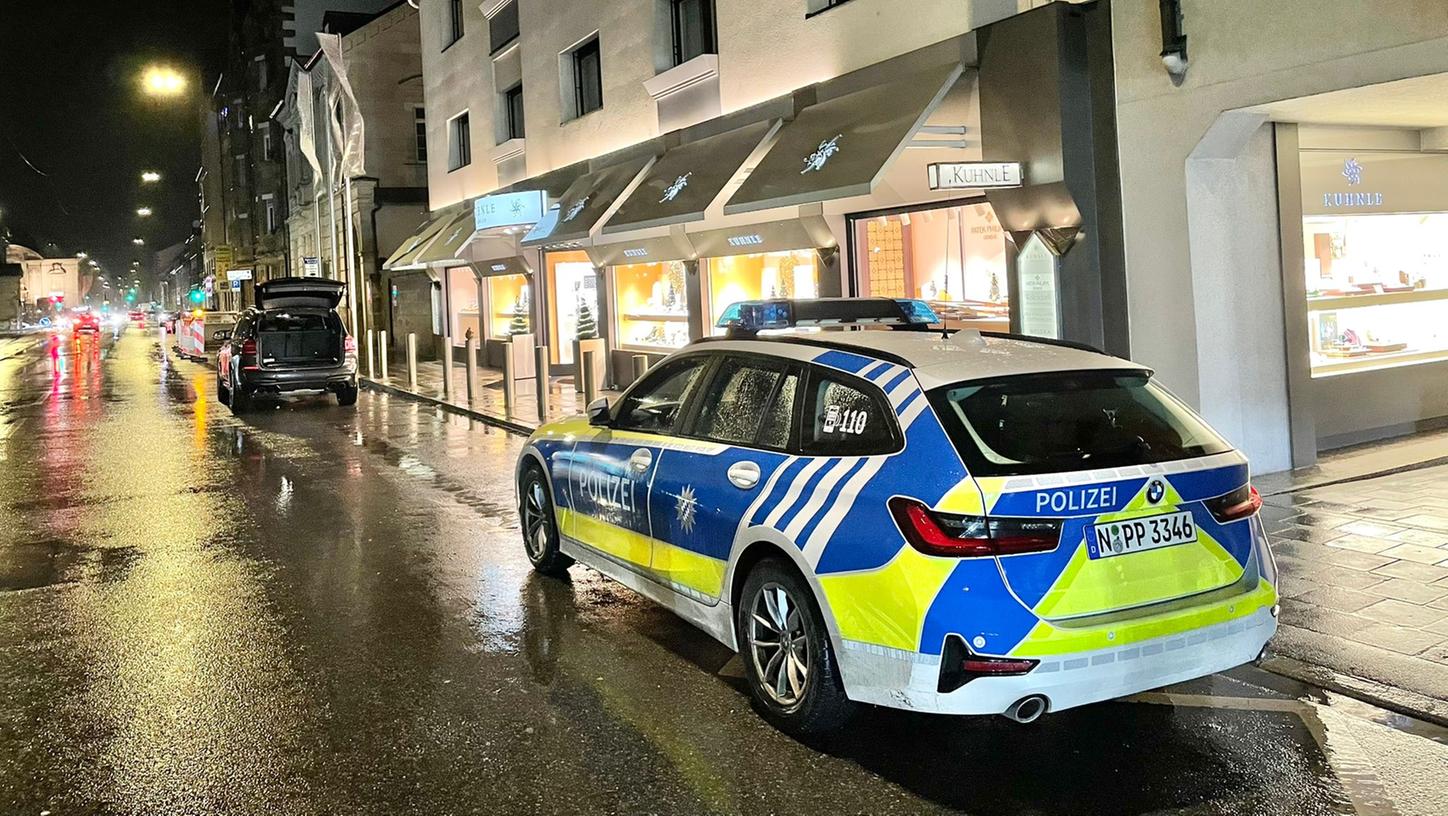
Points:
x=386 y=189
x=622 y=172
x=1282 y=200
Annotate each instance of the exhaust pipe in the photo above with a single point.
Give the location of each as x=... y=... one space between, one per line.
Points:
x=1027 y=709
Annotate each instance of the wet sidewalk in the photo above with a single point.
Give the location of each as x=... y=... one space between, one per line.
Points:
x=488 y=402
x=1364 y=573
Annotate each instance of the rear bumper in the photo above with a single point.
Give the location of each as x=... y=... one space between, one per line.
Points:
x=910 y=681
x=300 y=379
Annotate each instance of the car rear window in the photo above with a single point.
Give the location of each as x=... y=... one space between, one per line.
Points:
x=1069 y=421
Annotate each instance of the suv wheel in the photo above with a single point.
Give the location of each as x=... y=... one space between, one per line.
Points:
x=788 y=660
x=240 y=398
x=223 y=395
x=540 y=524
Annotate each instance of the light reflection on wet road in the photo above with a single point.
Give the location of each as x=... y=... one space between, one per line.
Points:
x=316 y=610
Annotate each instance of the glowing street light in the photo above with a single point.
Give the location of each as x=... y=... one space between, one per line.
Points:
x=81 y=255
x=150 y=177
x=163 y=81
x=138 y=241
x=143 y=212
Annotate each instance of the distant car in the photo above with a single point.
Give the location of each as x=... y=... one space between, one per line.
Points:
x=137 y=318
x=951 y=522
x=293 y=340
x=85 y=323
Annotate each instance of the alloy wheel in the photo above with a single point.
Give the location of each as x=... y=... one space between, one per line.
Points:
x=535 y=519
x=778 y=644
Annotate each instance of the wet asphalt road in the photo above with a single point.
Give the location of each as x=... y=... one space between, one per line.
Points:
x=317 y=610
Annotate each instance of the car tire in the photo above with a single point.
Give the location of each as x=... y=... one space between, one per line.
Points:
x=240 y=398
x=814 y=705
x=347 y=395
x=540 y=524
x=223 y=394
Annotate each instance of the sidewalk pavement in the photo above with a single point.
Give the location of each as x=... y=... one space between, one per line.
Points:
x=488 y=404
x=1361 y=542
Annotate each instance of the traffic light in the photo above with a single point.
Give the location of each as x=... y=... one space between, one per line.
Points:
x=197 y=296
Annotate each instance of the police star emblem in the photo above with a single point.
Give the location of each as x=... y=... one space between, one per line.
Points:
x=685 y=507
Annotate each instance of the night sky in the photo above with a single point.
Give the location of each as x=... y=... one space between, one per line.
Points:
x=70 y=104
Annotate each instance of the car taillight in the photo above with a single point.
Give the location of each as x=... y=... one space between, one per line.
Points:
x=349 y=345
x=955 y=536
x=248 y=347
x=1241 y=503
x=959 y=665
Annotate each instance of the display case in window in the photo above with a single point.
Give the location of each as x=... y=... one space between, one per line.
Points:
x=793 y=274
x=510 y=306
x=573 y=282
x=1377 y=291
x=651 y=306
x=953 y=256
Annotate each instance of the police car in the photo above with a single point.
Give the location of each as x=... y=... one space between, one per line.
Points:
x=955 y=522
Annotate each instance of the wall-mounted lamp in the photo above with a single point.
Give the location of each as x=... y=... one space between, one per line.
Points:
x=1173 y=41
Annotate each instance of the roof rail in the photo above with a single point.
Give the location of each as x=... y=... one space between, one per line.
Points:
x=1045 y=341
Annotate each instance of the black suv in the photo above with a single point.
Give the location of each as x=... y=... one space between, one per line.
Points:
x=292 y=340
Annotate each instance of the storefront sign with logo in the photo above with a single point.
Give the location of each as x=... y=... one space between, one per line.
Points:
x=1336 y=182
x=509 y=209
x=974 y=175
x=1037 y=295
x=238 y=274
x=311 y=267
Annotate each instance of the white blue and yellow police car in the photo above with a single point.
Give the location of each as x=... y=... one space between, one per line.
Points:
x=955 y=522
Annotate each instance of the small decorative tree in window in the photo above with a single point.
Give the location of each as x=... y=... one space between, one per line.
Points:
x=519 y=323
x=587 y=324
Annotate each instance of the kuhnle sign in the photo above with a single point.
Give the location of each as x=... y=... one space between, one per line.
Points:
x=974 y=175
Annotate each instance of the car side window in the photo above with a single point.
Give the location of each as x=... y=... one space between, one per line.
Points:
x=749 y=401
x=655 y=406
x=845 y=416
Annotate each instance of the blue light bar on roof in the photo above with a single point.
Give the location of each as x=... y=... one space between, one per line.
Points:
x=774 y=315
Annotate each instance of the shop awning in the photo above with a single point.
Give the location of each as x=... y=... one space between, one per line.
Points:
x=586 y=201
x=808 y=232
x=840 y=147
x=682 y=184
x=649 y=250
x=447 y=246
x=406 y=257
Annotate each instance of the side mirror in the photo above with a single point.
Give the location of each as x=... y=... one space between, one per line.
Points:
x=221 y=334
x=598 y=412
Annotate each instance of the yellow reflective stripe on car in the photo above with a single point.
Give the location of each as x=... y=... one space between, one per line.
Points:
x=1045 y=640
x=1088 y=585
x=687 y=568
x=887 y=606
x=964 y=499
x=625 y=545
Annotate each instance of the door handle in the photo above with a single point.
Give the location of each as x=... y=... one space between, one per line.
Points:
x=640 y=460
x=744 y=475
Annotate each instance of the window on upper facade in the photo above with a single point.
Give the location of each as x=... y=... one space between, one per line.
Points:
x=693 y=26
x=271 y=213
x=419 y=126
x=513 y=108
x=503 y=27
x=266 y=142
x=587 y=78
x=455 y=21
x=460 y=148
x=817 y=6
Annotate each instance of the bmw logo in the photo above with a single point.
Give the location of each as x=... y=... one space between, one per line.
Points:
x=1155 y=491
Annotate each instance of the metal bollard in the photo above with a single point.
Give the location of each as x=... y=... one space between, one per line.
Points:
x=590 y=387
x=411 y=361
x=383 y=351
x=371 y=370
x=472 y=369
x=640 y=366
x=540 y=362
x=447 y=367
x=578 y=359
x=510 y=395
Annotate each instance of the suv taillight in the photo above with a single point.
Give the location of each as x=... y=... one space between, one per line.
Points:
x=1241 y=503
x=349 y=346
x=955 y=536
x=248 y=347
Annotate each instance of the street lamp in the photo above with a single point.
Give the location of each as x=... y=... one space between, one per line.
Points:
x=138 y=241
x=81 y=255
x=163 y=81
x=150 y=177
x=143 y=212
